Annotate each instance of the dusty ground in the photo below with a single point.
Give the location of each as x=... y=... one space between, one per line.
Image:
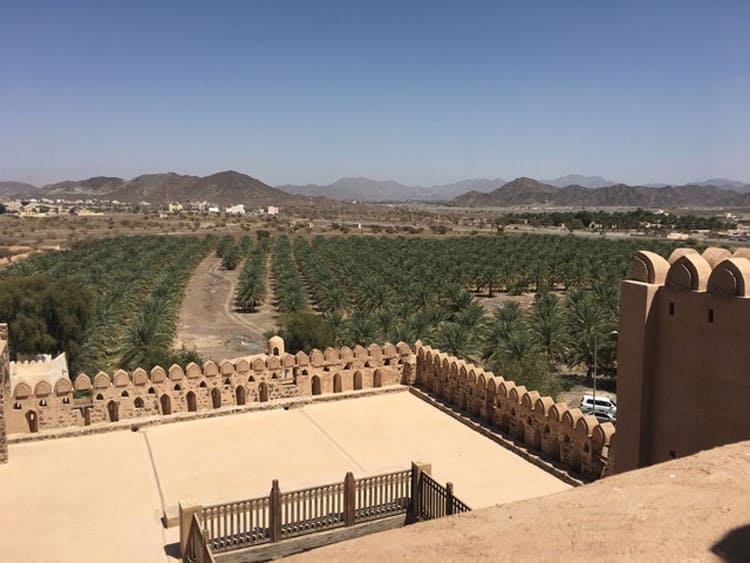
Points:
x=99 y=497
x=691 y=509
x=208 y=319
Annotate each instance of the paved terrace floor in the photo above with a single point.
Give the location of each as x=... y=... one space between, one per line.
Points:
x=100 y=497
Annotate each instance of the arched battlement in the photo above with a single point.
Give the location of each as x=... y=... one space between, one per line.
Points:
x=375 y=351
x=714 y=255
x=542 y=406
x=276 y=346
x=226 y=367
x=288 y=361
x=557 y=411
x=649 y=267
x=331 y=355
x=101 y=381
x=491 y=388
x=63 y=386
x=176 y=373
x=120 y=378
x=602 y=435
x=690 y=272
x=259 y=365
x=302 y=358
x=42 y=389
x=139 y=376
x=504 y=389
x=515 y=394
x=210 y=369
x=158 y=375
x=730 y=278
x=481 y=382
x=82 y=383
x=389 y=350
x=360 y=352
x=193 y=370
x=528 y=399
x=346 y=353
x=317 y=358
x=403 y=349
x=585 y=426
x=21 y=391
x=242 y=366
x=570 y=418
x=678 y=253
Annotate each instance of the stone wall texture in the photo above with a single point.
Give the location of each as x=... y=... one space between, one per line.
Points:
x=682 y=355
x=564 y=436
x=122 y=395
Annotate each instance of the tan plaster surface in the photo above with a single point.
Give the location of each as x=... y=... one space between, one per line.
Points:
x=97 y=497
x=238 y=456
x=80 y=499
x=690 y=509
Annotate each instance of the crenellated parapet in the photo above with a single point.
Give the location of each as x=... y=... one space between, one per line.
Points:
x=579 y=442
x=111 y=397
x=682 y=354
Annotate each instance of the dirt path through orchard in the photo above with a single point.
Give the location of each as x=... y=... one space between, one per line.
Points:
x=208 y=320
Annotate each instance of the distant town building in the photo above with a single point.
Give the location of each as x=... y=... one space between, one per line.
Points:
x=175 y=207
x=238 y=209
x=272 y=210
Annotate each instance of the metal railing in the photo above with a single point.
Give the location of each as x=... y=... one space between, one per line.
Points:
x=436 y=501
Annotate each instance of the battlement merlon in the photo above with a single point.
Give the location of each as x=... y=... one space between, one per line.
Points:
x=682 y=355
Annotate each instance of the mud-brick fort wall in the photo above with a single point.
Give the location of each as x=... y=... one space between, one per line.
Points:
x=563 y=435
x=4 y=390
x=683 y=355
x=264 y=377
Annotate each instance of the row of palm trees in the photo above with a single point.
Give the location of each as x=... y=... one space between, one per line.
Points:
x=136 y=284
x=251 y=287
x=378 y=289
x=288 y=286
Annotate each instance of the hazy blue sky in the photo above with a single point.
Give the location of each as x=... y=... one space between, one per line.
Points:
x=417 y=91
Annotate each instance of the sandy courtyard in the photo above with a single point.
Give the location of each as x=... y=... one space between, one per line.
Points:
x=102 y=495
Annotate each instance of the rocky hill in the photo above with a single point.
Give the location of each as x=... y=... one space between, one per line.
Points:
x=527 y=191
x=17 y=189
x=224 y=188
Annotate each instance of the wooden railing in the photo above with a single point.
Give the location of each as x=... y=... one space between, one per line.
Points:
x=237 y=524
x=279 y=516
x=312 y=510
x=197 y=549
x=436 y=501
x=382 y=495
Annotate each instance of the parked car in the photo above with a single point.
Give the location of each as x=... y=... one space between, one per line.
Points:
x=605 y=409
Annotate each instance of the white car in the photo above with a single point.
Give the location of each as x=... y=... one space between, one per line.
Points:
x=605 y=407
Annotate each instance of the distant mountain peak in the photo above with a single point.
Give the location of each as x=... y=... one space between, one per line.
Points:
x=580 y=180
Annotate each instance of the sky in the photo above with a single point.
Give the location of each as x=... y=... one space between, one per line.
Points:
x=422 y=92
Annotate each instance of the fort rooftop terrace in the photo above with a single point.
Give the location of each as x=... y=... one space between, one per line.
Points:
x=103 y=495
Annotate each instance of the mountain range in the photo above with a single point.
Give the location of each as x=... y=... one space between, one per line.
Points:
x=231 y=187
x=527 y=191
x=225 y=188
x=365 y=189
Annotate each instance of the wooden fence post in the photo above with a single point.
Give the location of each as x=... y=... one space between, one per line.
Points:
x=186 y=511
x=350 y=490
x=417 y=468
x=448 y=498
x=274 y=508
